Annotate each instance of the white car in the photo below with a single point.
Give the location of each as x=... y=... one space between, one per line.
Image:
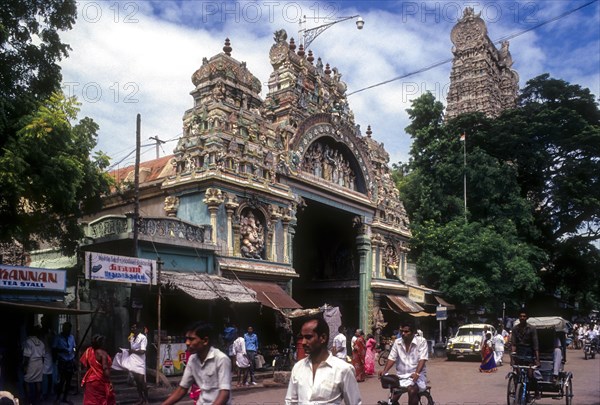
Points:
x=467 y=341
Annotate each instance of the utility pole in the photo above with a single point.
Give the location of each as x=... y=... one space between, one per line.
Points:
x=136 y=184
x=158 y=143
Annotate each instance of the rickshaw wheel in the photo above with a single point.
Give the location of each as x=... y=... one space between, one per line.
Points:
x=568 y=391
x=511 y=391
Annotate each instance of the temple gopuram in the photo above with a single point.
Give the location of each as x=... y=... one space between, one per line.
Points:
x=481 y=78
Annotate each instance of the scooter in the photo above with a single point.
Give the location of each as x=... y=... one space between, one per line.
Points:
x=590 y=348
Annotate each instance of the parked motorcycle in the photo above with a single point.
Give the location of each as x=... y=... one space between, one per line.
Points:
x=590 y=347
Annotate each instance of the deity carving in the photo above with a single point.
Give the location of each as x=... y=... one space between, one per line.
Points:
x=329 y=164
x=171 y=205
x=252 y=236
x=391 y=262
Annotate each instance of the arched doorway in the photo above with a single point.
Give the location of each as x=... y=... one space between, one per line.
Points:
x=326 y=258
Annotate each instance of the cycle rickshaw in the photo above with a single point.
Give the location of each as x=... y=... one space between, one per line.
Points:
x=519 y=391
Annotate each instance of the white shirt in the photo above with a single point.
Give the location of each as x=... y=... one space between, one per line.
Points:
x=334 y=381
x=211 y=376
x=339 y=342
x=498 y=343
x=407 y=361
x=239 y=349
x=137 y=362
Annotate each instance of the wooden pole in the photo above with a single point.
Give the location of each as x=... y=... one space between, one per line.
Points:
x=136 y=184
x=159 y=264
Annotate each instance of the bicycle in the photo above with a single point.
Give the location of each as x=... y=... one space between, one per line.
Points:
x=518 y=390
x=383 y=355
x=392 y=382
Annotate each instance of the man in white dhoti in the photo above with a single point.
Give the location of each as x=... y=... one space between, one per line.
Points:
x=134 y=360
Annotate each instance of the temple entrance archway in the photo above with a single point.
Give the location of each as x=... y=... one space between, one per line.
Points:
x=326 y=259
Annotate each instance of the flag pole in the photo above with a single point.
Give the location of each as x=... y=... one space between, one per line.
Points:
x=464 y=139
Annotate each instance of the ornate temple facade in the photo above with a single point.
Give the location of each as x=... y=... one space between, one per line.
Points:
x=482 y=78
x=281 y=202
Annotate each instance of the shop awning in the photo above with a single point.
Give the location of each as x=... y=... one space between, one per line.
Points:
x=208 y=287
x=421 y=314
x=41 y=307
x=403 y=304
x=271 y=295
x=444 y=303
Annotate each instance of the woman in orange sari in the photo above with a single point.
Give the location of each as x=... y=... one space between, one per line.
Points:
x=96 y=382
x=358 y=355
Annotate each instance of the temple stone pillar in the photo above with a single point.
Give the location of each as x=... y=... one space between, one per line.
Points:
x=275 y=217
x=213 y=199
x=363 y=244
x=230 y=206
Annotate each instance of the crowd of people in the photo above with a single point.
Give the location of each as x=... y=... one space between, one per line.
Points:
x=207 y=377
x=48 y=363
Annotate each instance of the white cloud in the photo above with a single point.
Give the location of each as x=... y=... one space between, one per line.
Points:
x=141 y=56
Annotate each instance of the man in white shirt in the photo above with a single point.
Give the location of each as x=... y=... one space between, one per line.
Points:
x=321 y=378
x=208 y=367
x=409 y=354
x=339 y=344
x=134 y=360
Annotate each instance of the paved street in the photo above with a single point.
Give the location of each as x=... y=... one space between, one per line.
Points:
x=453 y=383
x=460 y=382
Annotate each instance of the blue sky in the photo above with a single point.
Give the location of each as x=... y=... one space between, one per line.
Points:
x=132 y=57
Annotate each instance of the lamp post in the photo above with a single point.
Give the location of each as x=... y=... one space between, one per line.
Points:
x=309 y=35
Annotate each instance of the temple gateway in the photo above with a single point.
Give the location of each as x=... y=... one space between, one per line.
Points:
x=282 y=202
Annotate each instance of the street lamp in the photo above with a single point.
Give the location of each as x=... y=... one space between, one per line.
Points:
x=309 y=35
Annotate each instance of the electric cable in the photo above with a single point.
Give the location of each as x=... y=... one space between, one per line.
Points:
x=498 y=41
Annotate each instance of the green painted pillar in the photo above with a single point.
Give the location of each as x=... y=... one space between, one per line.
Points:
x=363 y=244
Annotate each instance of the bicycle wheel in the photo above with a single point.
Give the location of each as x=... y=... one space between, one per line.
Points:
x=511 y=390
x=425 y=398
x=383 y=357
x=568 y=391
x=520 y=395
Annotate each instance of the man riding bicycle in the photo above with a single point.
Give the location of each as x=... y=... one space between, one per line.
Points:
x=409 y=353
x=525 y=346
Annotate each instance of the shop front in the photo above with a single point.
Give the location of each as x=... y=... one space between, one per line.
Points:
x=28 y=296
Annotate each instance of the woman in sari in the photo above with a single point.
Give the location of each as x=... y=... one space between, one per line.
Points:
x=370 y=356
x=358 y=355
x=96 y=382
x=488 y=364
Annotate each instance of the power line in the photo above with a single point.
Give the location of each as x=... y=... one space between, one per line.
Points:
x=498 y=41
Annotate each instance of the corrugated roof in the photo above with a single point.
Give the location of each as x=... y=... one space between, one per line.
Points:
x=444 y=303
x=404 y=304
x=209 y=287
x=272 y=295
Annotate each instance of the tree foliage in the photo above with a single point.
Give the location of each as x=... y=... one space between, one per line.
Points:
x=48 y=179
x=533 y=198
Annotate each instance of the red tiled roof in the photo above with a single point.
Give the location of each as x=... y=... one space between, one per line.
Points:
x=150 y=170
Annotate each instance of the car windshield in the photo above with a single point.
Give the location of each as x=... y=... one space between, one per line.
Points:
x=469 y=331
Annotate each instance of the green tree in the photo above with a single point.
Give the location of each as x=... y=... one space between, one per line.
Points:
x=532 y=194
x=473 y=261
x=553 y=138
x=30 y=48
x=48 y=179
